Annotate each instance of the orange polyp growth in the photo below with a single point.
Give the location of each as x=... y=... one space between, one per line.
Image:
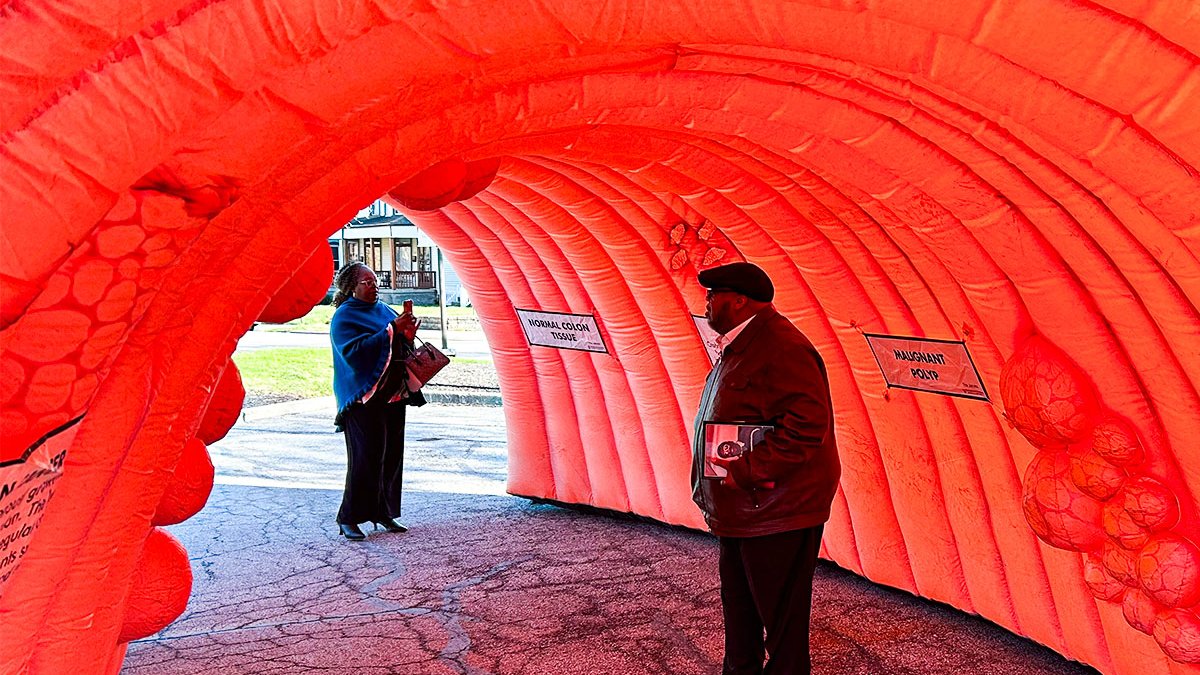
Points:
x=224 y=407
x=304 y=289
x=189 y=486
x=159 y=588
x=434 y=187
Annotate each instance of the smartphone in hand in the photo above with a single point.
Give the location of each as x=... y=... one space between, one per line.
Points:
x=408 y=306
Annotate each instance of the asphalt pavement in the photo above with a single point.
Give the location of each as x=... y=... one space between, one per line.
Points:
x=485 y=583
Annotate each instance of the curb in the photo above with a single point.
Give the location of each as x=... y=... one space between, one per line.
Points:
x=463 y=399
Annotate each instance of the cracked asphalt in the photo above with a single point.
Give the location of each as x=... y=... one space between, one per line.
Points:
x=489 y=584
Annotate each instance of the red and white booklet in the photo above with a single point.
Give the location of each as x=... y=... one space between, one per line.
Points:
x=729 y=440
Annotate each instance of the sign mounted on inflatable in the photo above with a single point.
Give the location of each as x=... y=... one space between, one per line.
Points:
x=562 y=331
x=26 y=486
x=921 y=364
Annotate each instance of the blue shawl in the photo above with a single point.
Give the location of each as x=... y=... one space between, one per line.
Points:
x=362 y=345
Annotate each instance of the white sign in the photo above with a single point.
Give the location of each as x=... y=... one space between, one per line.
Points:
x=709 y=337
x=936 y=366
x=26 y=486
x=562 y=331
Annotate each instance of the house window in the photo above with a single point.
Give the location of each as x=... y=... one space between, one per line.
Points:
x=336 y=247
x=402 y=254
x=425 y=258
x=373 y=254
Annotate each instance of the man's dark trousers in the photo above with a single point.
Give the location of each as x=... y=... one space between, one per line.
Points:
x=766 y=582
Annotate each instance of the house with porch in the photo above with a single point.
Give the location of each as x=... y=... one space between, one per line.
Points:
x=407 y=263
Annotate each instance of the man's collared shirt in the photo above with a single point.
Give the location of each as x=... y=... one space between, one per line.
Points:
x=724 y=341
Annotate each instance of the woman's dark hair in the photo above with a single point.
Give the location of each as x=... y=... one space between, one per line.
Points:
x=346 y=280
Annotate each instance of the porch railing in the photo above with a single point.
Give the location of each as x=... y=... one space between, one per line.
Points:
x=414 y=280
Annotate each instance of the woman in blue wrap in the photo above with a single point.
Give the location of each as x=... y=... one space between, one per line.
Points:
x=370 y=345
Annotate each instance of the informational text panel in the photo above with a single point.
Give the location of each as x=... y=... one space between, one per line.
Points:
x=936 y=366
x=562 y=331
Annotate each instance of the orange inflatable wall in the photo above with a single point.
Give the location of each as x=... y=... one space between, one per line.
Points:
x=1018 y=175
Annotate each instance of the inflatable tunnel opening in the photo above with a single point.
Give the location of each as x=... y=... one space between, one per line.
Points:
x=998 y=199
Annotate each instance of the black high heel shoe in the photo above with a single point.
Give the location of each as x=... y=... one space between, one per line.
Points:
x=351 y=532
x=390 y=525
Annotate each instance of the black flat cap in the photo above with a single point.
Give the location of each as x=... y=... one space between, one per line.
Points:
x=740 y=277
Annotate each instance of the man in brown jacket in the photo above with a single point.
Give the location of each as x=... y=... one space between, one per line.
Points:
x=770 y=507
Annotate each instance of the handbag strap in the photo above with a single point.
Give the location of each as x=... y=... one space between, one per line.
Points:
x=435 y=349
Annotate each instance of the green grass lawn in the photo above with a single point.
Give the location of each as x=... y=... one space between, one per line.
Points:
x=300 y=372
x=297 y=372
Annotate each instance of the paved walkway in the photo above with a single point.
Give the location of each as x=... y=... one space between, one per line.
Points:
x=486 y=583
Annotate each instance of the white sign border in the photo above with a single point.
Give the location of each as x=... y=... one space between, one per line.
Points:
x=530 y=342
x=985 y=398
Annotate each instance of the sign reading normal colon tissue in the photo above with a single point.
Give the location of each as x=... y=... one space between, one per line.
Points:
x=936 y=366
x=26 y=486
x=563 y=331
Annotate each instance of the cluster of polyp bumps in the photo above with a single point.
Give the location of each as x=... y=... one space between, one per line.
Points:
x=1089 y=489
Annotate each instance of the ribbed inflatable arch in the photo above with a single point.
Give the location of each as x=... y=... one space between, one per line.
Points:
x=1020 y=176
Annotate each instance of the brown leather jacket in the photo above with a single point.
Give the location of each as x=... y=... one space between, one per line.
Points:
x=770 y=374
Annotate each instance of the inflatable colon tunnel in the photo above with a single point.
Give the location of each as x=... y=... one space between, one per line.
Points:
x=1017 y=180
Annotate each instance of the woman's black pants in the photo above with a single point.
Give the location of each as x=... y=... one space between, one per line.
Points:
x=374 y=463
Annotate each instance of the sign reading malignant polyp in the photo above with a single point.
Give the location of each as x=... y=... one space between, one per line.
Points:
x=563 y=331
x=936 y=366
